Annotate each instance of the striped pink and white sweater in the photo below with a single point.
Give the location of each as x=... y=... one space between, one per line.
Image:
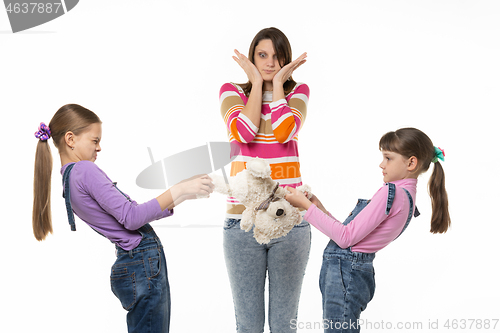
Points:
x=275 y=140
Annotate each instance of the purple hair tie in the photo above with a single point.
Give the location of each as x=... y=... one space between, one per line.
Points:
x=43 y=132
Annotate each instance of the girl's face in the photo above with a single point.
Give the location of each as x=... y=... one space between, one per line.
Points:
x=86 y=145
x=266 y=60
x=395 y=166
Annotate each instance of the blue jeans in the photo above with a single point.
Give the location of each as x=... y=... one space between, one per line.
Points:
x=139 y=280
x=347 y=278
x=247 y=261
x=347 y=283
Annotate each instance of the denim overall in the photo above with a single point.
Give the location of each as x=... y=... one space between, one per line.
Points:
x=347 y=278
x=138 y=277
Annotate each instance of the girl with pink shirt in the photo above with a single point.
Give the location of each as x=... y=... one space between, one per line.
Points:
x=347 y=278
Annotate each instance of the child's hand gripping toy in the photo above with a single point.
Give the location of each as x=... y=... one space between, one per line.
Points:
x=266 y=208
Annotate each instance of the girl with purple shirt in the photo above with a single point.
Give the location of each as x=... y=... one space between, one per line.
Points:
x=347 y=278
x=139 y=275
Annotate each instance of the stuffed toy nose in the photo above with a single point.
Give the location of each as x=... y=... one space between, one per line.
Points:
x=276 y=209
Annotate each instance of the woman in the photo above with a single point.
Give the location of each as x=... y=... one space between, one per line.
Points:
x=263 y=117
x=139 y=275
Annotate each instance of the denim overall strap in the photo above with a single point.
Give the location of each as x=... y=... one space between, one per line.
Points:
x=390 y=197
x=126 y=196
x=417 y=213
x=66 y=196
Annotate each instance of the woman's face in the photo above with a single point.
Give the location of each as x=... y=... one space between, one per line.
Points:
x=266 y=60
x=86 y=145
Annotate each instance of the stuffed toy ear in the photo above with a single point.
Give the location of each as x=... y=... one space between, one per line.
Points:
x=259 y=168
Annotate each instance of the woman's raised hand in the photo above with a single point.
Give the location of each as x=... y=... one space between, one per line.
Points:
x=284 y=73
x=252 y=72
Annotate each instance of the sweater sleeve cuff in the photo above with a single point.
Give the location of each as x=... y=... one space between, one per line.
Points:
x=248 y=123
x=158 y=213
x=277 y=103
x=168 y=212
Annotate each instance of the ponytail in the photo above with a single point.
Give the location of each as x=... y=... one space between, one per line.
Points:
x=70 y=117
x=42 y=220
x=440 y=219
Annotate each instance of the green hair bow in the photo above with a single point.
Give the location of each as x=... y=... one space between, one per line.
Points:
x=438 y=155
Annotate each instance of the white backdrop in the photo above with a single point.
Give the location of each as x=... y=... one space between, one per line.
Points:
x=152 y=71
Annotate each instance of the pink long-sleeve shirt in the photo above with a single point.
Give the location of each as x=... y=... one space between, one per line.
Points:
x=371 y=230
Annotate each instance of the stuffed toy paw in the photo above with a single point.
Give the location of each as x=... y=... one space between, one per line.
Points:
x=266 y=210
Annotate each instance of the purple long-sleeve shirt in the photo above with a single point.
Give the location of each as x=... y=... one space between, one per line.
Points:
x=97 y=201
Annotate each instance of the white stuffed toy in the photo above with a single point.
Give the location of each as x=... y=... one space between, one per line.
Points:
x=267 y=211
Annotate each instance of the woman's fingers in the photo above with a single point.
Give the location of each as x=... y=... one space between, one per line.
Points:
x=298 y=62
x=284 y=74
x=250 y=70
x=240 y=58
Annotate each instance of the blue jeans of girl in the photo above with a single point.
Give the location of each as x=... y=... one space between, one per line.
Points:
x=139 y=280
x=247 y=262
x=347 y=283
x=347 y=278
